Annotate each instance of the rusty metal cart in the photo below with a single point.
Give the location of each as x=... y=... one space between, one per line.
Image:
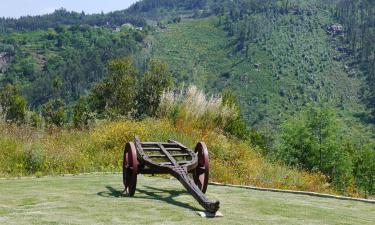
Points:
x=172 y=158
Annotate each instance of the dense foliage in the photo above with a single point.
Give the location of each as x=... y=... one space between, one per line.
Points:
x=12 y=104
x=316 y=140
x=64 y=62
x=358 y=20
x=126 y=92
x=64 y=17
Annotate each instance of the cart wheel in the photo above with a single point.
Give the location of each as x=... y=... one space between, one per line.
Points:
x=202 y=171
x=130 y=168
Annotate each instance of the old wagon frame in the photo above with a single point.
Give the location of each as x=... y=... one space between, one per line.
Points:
x=172 y=158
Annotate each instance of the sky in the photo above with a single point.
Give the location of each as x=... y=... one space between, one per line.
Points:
x=17 y=8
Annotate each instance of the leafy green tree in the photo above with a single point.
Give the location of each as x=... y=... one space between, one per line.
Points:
x=156 y=79
x=53 y=112
x=35 y=119
x=364 y=169
x=236 y=126
x=313 y=140
x=81 y=113
x=13 y=104
x=116 y=94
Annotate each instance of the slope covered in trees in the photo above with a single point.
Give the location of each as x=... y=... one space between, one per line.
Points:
x=63 y=62
x=277 y=61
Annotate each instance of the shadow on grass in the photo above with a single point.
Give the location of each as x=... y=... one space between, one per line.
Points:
x=150 y=193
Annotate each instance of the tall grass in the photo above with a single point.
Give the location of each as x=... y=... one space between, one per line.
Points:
x=27 y=151
x=192 y=107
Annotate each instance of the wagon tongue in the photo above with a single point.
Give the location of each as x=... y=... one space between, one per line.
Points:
x=181 y=174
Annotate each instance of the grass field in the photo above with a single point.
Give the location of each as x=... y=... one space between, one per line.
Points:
x=97 y=199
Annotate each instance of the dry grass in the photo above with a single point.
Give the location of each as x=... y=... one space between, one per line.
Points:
x=193 y=107
x=27 y=151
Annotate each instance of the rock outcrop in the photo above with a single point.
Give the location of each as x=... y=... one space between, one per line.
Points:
x=5 y=59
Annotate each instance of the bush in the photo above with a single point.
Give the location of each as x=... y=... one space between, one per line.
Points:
x=193 y=108
x=13 y=104
x=81 y=113
x=53 y=112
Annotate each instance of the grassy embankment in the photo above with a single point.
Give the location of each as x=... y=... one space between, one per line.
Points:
x=25 y=151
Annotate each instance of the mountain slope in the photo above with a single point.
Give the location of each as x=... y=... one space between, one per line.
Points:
x=293 y=65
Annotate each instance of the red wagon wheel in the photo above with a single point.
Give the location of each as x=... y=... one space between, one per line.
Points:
x=130 y=168
x=201 y=173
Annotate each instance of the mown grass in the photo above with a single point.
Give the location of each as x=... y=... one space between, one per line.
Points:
x=98 y=199
x=25 y=151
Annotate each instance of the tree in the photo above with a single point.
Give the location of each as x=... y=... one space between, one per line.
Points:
x=364 y=169
x=116 y=94
x=13 y=104
x=156 y=79
x=53 y=112
x=313 y=140
x=236 y=125
x=81 y=113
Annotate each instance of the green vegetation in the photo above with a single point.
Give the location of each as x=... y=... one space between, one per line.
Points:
x=277 y=74
x=29 y=151
x=296 y=87
x=357 y=18
x=126 y=92
x=12 y=105
x=63 y=63
x=97 y=199
x=316 y=140
x=63 y=17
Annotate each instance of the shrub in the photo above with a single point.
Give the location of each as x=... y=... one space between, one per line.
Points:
x=193 y=107
x=53 y=112
x=13 y=104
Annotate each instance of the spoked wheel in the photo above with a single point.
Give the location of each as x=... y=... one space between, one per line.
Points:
x=130 y=168
x=201 y=173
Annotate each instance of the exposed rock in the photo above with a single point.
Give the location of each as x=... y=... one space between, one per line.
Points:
x=5 y=58
x=296 y=10
x=335 y=29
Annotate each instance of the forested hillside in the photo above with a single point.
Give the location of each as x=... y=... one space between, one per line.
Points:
x=63 y=62
x=296 y=77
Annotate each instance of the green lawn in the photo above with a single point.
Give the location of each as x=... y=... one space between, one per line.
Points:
x=97 y=199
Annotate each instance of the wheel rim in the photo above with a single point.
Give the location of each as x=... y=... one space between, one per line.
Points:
x=130 y=168
x=201 y=173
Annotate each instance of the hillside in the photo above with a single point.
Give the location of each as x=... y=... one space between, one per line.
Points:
x=276 y=76
x=63 y=62
x=97 y=199
x=285 y=86
x=276 y=56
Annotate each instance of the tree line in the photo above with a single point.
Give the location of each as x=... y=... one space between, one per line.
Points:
x=358 y=20
x=64 y=17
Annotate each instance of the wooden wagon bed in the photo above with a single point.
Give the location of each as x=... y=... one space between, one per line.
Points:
x=190 y=168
